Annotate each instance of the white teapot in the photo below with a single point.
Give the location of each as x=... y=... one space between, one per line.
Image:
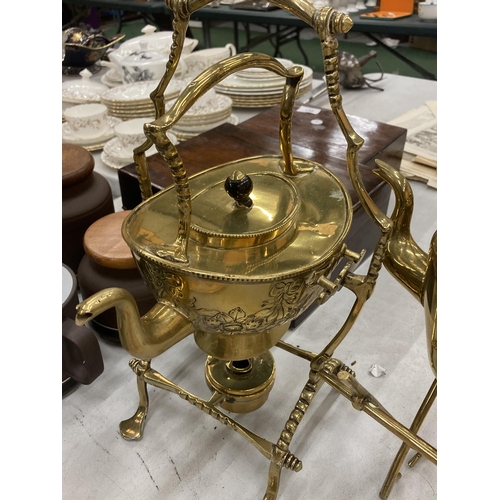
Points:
x=145 y=57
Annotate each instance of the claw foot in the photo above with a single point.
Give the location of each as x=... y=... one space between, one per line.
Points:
x=132 y=428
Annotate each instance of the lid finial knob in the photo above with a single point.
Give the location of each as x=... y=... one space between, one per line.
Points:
x=239 y=186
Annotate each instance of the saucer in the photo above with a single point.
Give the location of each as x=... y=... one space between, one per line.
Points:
x=118 y=163
x=93 y=143
x=114 y=149
x=114 y=162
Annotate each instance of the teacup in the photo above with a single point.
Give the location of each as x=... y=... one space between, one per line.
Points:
x=196 y=62
x=130 y=134
x=87 y=121
x=427 y=11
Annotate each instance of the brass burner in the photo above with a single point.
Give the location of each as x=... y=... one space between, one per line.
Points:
x=245 y=384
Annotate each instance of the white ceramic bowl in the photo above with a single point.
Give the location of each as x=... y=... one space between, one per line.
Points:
x=427 y=11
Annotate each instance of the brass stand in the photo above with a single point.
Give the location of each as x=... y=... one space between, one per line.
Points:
x=245 y=385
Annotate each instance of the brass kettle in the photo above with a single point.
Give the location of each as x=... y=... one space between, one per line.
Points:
x=235 y=253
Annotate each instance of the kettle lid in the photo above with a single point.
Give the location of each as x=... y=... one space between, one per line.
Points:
x=245 y=210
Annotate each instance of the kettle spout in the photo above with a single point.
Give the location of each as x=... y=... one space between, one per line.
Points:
x=367 y=57
x=405 y=260
x=415 y=269
x=142 y=337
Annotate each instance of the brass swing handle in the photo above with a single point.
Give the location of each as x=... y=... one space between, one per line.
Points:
x=156 y=132
x=326 y=22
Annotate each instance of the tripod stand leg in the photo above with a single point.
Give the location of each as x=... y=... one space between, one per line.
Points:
x=132 y=428
x=393 y=473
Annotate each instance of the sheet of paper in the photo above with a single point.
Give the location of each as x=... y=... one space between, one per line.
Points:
x=432 y=105
x=422 y=141
x=420 y=150
x=419 y=172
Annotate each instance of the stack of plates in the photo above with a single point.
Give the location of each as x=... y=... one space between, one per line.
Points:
x=203 y=116
x=132 y=100
x=257 y=87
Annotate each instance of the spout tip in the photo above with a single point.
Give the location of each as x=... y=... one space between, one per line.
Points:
x=82 y=317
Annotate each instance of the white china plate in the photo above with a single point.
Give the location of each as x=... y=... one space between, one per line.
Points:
x=82 y=101
x=220 y=104
x=235 y=94
x=131 y=116
x=199 y=129
x=197 y=121
x=278 y=91
x=258 y=73
x=69 y=137
x=82 y=91
x=113 y=162
x=234 y=83
x=115 y=151
x=246 y=101
x=117 y=163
